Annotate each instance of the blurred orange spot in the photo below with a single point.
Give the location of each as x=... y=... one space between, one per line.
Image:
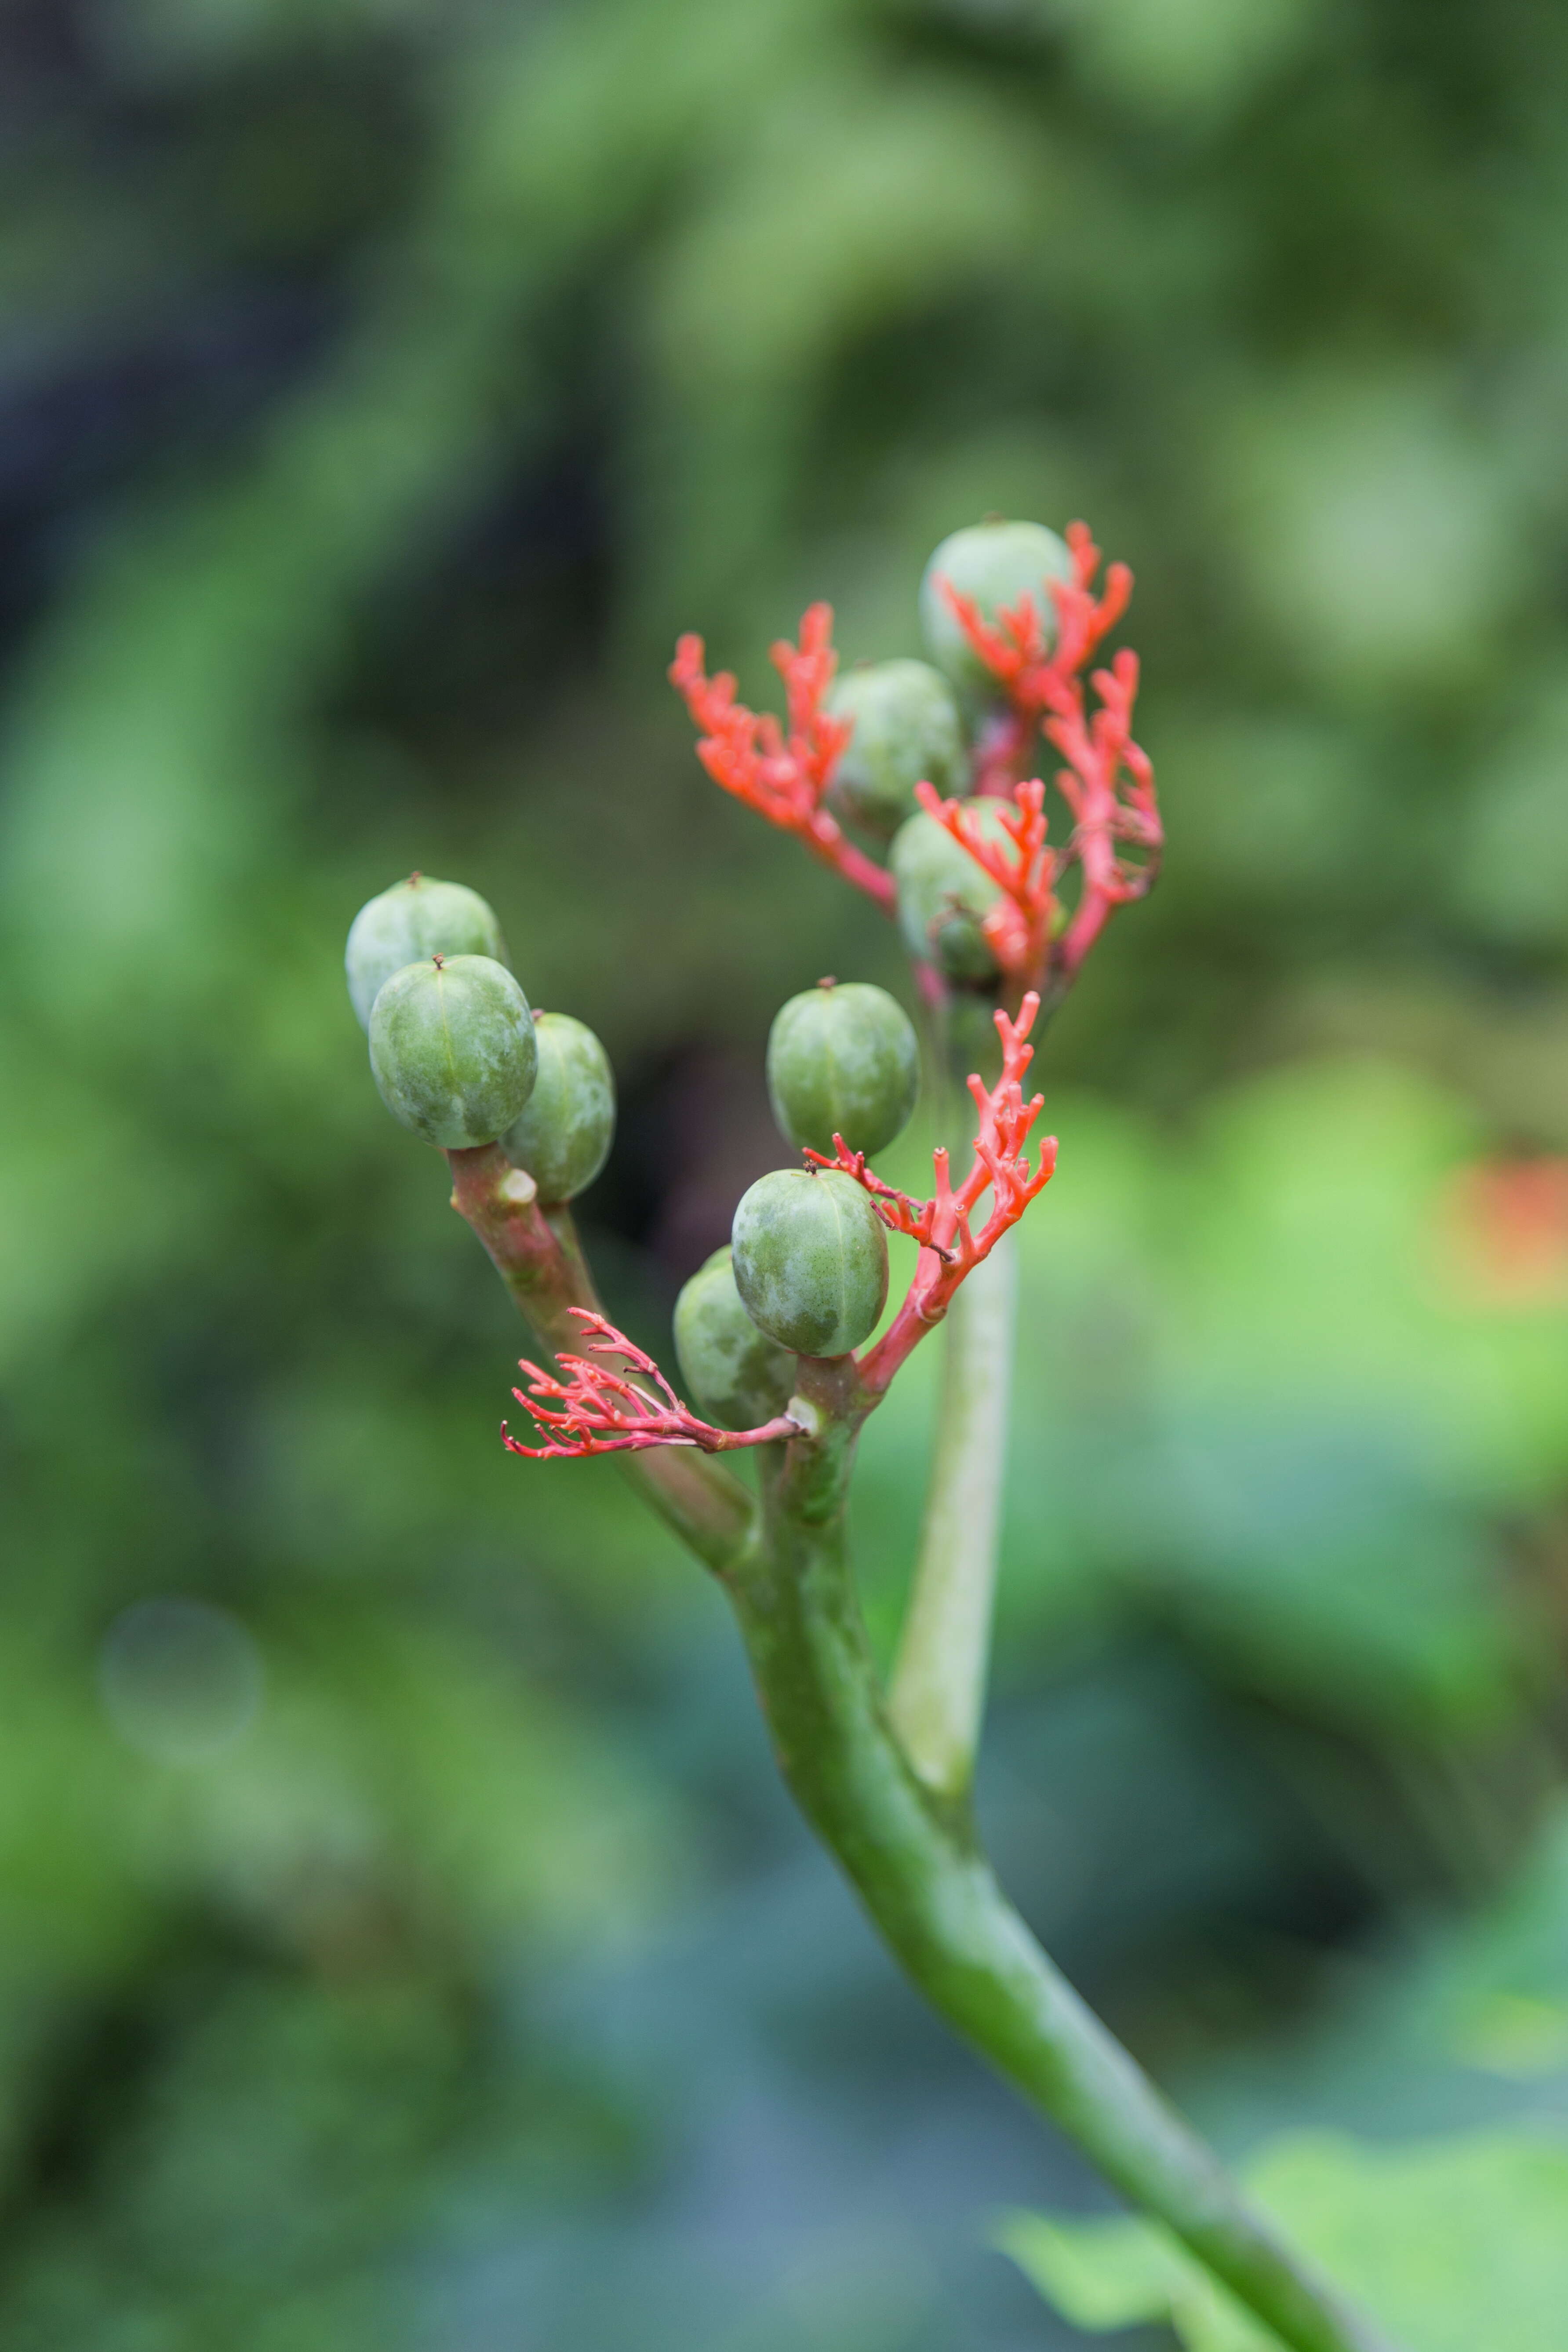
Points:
x=1509 y=1220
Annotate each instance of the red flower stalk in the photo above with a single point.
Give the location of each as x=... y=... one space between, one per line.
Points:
x=1108 y=784
x=781 y=773
x=950 y=1247
x=1020 y=927
x=606 y=1413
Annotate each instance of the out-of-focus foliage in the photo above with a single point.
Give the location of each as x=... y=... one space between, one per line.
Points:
x=1448 y=2243
x=1455 y=2239
x=404 y=1942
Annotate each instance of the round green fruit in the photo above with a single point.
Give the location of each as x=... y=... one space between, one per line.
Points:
x=452 y=1049
x=737 y=1375
x=843 y=1061
x=996 y=564
x=561 y=1137
x=413 y=920
x=943 y=893
x=906 y=729
x=811 y=1260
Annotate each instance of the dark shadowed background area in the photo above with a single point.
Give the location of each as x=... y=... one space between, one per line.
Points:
x=403 y=1945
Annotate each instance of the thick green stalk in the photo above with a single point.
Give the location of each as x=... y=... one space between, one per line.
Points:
x=934 y=1896
x=938 y=1692
x=906 y=1846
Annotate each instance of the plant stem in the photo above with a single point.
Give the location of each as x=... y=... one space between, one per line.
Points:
x=938 y=1692
x=937 y=1698
x=934 y=1896
x=908 y=1848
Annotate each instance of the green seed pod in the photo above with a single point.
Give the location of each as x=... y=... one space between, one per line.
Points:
x=996 y=564
x=738 y=1376
x=452 y=1049
x=843 y=1061
x=414 y=919
x=563 y=1134
x=906 y=728
x=943 y=893
x=811 y=1260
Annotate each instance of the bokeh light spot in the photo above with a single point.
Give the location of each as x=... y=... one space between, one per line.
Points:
x=180 y=1680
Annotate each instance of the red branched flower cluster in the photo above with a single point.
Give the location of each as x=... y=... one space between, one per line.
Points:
x=593 y=1409
x=1013 y=647
x=1108 y=782
x=781 y=771
x=1020 y=927
x=607 y=1412
x=950 y=1246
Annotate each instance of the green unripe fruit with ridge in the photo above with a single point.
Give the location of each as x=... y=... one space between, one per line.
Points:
x=452 y=1049
x=906 y=728
x=943 y=893
x=737 y=1375
x=563 y=1134
x=811 y=1260
x=996 y=564
x=409 y=923
x=843 y=1061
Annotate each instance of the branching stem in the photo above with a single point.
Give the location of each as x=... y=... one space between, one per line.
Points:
x=901 y=1835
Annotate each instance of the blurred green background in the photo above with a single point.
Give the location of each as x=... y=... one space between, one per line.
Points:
x=404 y=1942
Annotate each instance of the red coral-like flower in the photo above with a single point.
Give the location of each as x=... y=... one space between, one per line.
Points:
x=782 y=772
x=1108 y=782
x=950 y=1247
x=1020 y=927
x=608 y=1413
x=1110 y=788
x=898 y=1212
x=1012 y=646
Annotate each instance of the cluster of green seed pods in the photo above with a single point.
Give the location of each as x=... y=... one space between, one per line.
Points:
x=461 y=1058
x=456 y=1051
x=807 y=1266
x=910 y=726
x=807 y=1270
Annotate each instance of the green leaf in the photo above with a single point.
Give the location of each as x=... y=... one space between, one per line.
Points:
x=1453 y=2244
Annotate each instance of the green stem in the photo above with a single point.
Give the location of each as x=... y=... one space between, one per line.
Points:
x=907 y=1847
x=934 y=1896
x=938 y=1692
